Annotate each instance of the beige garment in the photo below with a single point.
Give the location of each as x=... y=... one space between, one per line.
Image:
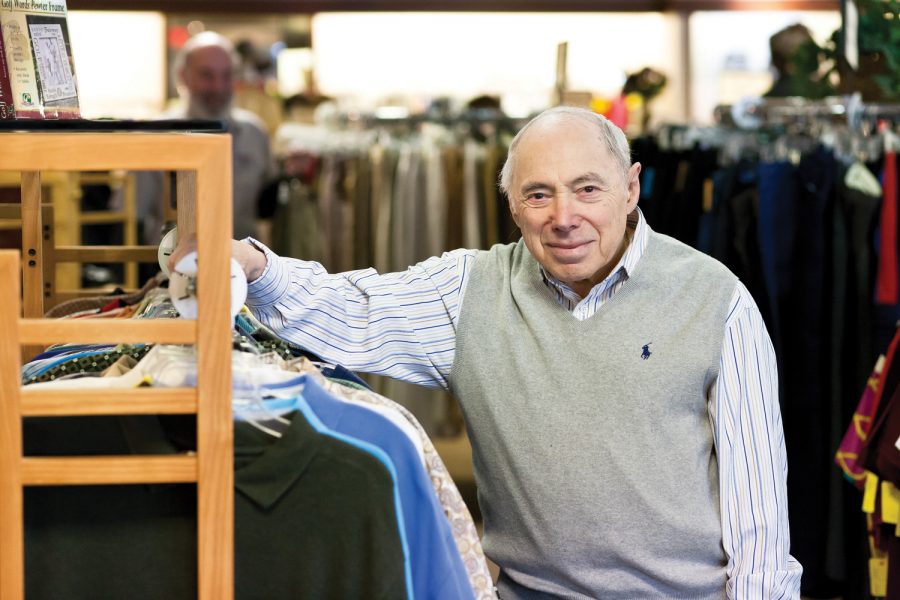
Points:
x=489 y=181
x=330 y=212
x=297 y=228
x=435 y=200
x=454 y=177
x=120 y=367
x=363 y=248
x=384 y=164
x=347 y=187
x=403 y=209
x=473 y=223
x=464 y=532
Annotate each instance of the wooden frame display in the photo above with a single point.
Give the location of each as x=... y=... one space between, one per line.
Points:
x=203 y=162
x=62 y=221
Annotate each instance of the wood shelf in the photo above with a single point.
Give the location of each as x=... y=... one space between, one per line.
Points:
x=138 y=401
x=108 y=470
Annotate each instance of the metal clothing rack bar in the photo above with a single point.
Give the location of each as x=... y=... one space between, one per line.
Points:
x=401 y=117
x=779 y=111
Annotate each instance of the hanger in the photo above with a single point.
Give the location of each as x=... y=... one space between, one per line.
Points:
x=250 y=408
x=252 y=382
x=250 y=399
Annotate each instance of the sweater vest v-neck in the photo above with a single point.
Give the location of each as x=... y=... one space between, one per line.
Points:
x=592 y=446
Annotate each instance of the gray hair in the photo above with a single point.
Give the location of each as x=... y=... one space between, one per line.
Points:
x=204 y=39
x=613 y=137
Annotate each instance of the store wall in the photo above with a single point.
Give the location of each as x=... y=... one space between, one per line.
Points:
x=367 y=57
x=120 y=62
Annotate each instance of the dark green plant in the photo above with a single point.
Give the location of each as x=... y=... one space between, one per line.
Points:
x=809 y=81
x=798 y=62
x=879 y=35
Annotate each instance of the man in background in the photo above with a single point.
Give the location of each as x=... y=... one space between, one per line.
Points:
x=204 y=70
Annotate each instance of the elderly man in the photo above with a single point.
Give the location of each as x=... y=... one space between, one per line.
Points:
x=619 y=388
x=204 y=69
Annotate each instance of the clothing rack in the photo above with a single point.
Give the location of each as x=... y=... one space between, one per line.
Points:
x=779 y=129
x=402 y=117
x=851 y=110
x=795 y=212
x=395 y=119
x=203 y=163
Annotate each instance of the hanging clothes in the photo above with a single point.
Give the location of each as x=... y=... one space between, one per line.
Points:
x=309 y=510
x=436 y=566
x=467 y=540
x=781 y=215
x=297 y=479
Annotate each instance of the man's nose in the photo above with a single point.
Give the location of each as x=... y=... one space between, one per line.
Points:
x=222 y=82
x=565 y=213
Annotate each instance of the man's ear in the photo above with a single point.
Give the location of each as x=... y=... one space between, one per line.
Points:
x=633 y=186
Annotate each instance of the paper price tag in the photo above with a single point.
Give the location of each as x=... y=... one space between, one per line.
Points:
x=890 y=503
x=870 y=492
x=878 y=569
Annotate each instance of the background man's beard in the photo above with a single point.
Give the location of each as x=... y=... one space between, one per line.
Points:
x=198 y=110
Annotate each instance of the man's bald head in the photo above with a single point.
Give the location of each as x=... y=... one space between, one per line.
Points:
x=613 y=138
x=204 y=68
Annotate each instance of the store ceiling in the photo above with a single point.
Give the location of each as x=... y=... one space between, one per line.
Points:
x=312 y=6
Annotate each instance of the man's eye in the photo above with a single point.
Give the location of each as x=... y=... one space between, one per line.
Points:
x=588 y=189
x=536 y=199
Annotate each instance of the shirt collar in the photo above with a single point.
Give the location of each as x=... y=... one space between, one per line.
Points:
x=636 y=228
x=265 y=469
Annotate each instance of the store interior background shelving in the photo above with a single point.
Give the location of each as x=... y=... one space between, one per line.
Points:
x=369 y=59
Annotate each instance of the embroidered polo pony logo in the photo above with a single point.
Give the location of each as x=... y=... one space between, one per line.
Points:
x=646 y=351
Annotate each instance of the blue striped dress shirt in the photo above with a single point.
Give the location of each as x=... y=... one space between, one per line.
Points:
x=403 y=325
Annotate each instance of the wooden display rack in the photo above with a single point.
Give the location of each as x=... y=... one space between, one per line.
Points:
x=203 y=163
x=61 y=195
x=63 y=253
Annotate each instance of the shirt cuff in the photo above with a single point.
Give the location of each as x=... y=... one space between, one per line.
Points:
x=273 y=284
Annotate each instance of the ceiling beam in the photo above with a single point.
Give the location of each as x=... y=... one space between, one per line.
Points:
x=313 y=6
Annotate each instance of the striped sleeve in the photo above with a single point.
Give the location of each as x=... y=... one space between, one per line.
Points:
x=402 y=325
x=749 y=438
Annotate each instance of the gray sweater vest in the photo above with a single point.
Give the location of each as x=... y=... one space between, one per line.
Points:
x=592 y=446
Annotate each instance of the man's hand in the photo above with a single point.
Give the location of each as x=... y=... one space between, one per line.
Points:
x=251 y=260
